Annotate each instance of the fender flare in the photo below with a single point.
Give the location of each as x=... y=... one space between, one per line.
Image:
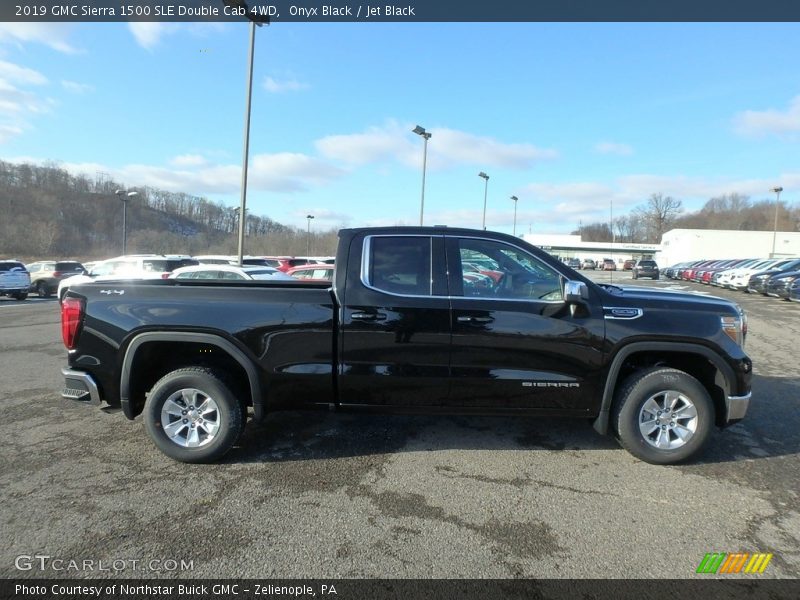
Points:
x=188 y=337
x=600 y=424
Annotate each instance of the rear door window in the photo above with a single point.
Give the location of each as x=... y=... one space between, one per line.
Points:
x=323 y=274
x=158 y=266
x=400 y=265
x=231 y=276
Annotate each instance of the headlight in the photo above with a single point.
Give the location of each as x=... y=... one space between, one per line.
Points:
x=735 y=327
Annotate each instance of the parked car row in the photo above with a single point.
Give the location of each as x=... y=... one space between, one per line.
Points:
x=607 y=264
x=281 y=263
x=309 y=272
x=777 y=277
x=49 y=277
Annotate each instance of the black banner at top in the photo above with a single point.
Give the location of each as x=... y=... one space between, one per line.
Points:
x=400 y=10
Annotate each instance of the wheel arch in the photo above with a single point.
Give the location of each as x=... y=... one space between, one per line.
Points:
x=168 y=342
x=713 y=373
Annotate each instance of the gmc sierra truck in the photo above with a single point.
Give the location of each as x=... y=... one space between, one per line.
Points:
x=422 y=319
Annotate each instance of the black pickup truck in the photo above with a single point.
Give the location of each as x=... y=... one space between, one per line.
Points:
x=429 y=319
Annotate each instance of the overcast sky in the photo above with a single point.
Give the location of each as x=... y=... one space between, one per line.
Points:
x=568 y=117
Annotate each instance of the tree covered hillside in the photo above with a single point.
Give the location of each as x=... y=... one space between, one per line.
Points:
x=49 y=213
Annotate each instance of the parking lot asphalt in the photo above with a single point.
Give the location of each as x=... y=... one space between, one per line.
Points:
x=330 y=495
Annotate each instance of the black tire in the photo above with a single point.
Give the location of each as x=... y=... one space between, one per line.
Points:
x=651 y=386
x=20 y=295
x=655 y=278
x=42 y=290
x=229 y=416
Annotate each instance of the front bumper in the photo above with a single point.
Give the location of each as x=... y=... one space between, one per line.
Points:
x=80 y=386
x=736 y=407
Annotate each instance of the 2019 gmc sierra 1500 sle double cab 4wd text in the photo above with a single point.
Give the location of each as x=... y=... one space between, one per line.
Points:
x=405 y=328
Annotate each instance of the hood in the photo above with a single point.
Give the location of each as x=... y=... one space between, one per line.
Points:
x=648 y=296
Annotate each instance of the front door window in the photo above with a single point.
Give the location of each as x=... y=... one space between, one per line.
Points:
x=499 y=270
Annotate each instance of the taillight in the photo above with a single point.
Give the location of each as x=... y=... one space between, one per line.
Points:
x=165 y=276
x=57 y=273
x=71 y=317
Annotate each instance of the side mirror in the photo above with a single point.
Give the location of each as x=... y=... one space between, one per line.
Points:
x=576 y=292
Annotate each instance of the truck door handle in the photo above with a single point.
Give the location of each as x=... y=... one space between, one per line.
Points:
x=368 y=316
x=471 y=319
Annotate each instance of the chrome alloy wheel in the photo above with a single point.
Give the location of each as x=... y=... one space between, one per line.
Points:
x=190 y=418
x=668 y=420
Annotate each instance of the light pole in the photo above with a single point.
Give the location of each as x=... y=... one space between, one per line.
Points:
x=308 y=235
x=514 y=198
x=777 y=191
x=426 y=136
x=125 y=196
x=485 y=193
x=254 y=20
x=238 y=212
x=613 y=238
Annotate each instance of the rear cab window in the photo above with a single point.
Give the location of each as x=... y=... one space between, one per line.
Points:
x=399 y=264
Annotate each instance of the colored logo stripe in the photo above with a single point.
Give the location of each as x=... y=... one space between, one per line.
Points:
x=711 y=562
x=724 y=563
x=758 y=563
x=734 y=562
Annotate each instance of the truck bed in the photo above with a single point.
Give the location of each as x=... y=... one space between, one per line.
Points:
x=286 y=329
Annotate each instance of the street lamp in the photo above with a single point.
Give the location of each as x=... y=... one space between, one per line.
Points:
x=426 y=136
x=308 y=235
x=514 y=198
x=254 y=20
x=125 y=196
x=777 y=191
x=485 y=192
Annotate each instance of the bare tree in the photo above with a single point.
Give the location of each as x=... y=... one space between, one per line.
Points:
x=728 y=211
x=658 y=215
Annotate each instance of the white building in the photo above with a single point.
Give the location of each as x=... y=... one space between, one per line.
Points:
x=677 y=245
x=680 y=245
x=572 y=246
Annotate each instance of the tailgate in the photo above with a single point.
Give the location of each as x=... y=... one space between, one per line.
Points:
x=13 y=280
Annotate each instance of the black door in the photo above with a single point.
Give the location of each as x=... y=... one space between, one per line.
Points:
x=395 y=322
x=516 y=343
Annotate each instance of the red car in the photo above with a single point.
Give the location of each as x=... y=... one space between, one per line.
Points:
x=609 y=265
x=284 y=263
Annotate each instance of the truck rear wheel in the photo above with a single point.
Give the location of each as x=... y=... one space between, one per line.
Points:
x=192 y=416
x=663 y=416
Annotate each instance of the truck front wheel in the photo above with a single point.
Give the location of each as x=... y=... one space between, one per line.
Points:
x=192 y=416
x=662 y=415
